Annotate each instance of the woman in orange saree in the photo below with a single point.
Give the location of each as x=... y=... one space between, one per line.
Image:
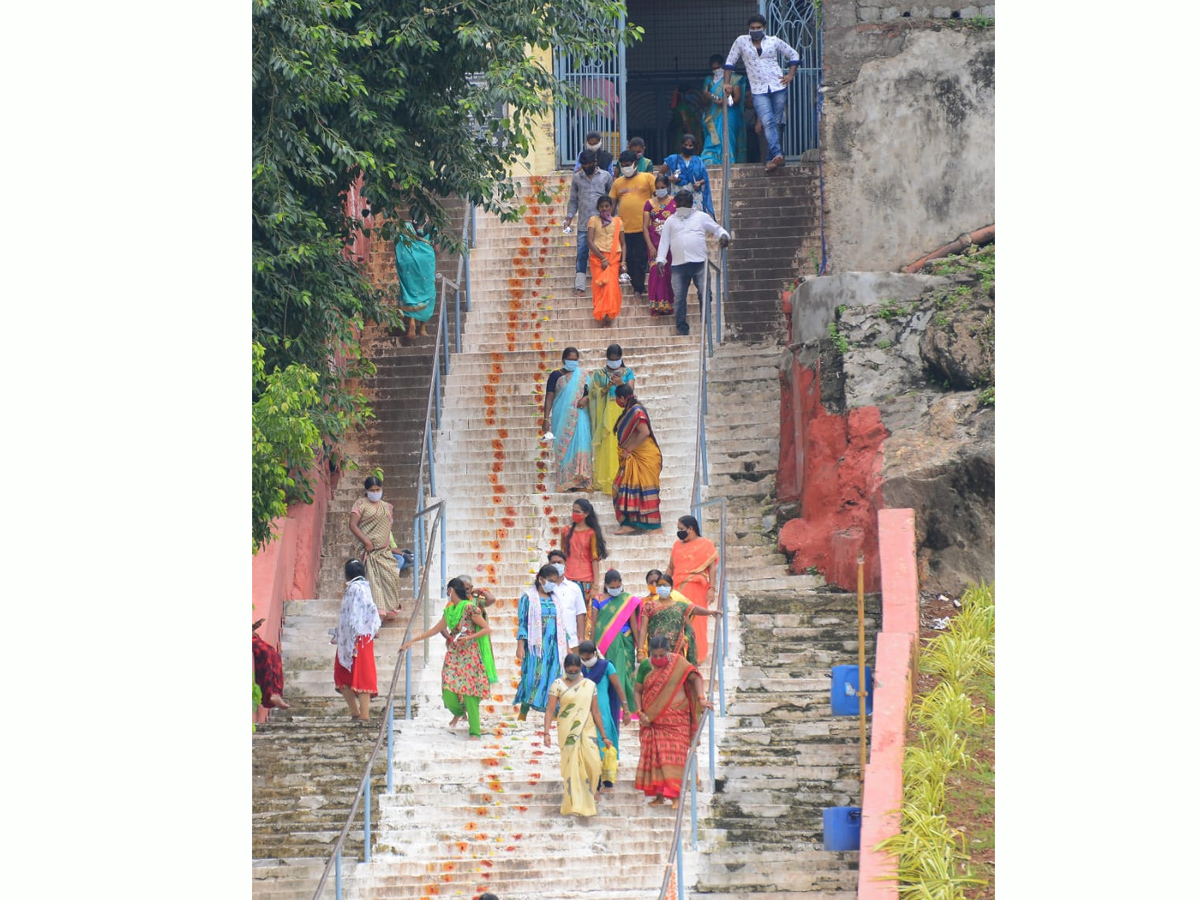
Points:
x=693 y=566
x=606 y=254
x=670 y=698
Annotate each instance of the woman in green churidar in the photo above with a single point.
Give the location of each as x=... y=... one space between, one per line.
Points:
x=468 y=668
x=616 y=622
x=572 y=700
x=668 y=613
x=416 y=263
x=604 y=412
x=614 y=705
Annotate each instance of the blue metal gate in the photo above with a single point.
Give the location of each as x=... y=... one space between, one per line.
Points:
x=601 y=77
x=799 y=23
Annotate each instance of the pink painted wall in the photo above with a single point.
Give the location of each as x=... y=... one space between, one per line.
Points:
x=895 y=673
x=288 y=567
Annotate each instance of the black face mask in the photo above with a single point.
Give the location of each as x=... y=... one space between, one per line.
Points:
x=687 y=151
x=757 y=34
x=682 y=535
x=589 y=170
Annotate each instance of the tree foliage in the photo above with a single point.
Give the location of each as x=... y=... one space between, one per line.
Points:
x=405 y=94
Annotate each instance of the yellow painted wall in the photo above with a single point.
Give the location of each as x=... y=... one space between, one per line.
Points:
x=541 y=158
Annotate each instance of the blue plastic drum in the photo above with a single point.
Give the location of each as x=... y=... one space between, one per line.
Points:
x=844 y=692
x=843 y=827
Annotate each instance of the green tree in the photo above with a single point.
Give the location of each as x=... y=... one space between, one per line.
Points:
x=404 y=94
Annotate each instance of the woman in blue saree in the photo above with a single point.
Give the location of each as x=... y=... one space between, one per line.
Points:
x=716 y=109
x=565 y=416
x=416 y=263
x=541 y=642
x=686 y=170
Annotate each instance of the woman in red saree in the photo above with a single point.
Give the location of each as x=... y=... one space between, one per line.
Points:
x=693 y=566
x=670 y=700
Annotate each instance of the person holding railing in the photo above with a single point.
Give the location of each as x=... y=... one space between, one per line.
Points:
x=354 y=673
x=683 y=236
x=668 y=614
x=670 y=698
x=693 y=565
x=468 y=668
x=573 y=702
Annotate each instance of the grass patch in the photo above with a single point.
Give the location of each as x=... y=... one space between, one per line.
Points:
x=946 y=845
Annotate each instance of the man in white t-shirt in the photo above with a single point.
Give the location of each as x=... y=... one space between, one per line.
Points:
x=570 y=600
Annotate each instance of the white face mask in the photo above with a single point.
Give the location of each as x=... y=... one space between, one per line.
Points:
x=570 y=676
x=562 y=570
x=588 y=660
x=664 y=590
x=661 y=192
x=595 y=146
x=614 y=592
x=374 y=496
x=628 y=171
x=614 y=363
x=546 y=586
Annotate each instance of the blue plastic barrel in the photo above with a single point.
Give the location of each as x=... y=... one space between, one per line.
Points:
x=844 y=691
x=843 y=827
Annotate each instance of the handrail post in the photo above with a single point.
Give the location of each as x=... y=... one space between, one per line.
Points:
x=695 y=793
x=679 y=873
x=391 y=726
x=337 y=883
x=437 y=402
x=432 y=466
x=458 y=321
x=445 y=348
x=723 y=599
x=367 y=817
x=712 y=744
x=408 y=685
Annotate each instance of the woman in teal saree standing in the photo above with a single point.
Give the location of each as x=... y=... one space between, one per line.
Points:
x=565 y=416
x=416 y=263
x=716 y=108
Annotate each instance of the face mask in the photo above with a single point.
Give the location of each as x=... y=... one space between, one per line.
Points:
x=588 y=660
x=661 y=192
x=716 y=72
x=589 y=170
x=628 y=171
x=684 y=211
x=577 y=517
x=658 y=661
x=571 y=365
x=571 y=676
x=596 y=146
x=682 y=535
x=757 y=34
x=614 y=363
x=664 y=590
x=546 y=586
x=614 y=592
x=562 y=569
x=687 y=151
x=374 y=496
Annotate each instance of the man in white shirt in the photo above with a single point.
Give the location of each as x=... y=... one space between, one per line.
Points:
x=768 y=85
x=683 y=235
x=570 y=600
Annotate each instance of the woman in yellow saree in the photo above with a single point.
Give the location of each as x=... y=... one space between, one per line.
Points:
x=602 y=405
x=573 y=702
x=693 y=566
x=671 y=700
x=635 y=489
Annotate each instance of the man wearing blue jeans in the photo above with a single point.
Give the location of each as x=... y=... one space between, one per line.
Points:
x=588 y=185
x=768 y=85
x=683 y=235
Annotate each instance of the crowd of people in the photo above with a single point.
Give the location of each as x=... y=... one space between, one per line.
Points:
x=623 y=212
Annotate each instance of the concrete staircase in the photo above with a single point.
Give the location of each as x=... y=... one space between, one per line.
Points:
x=398 y=394
x=775 y=220
x=470 y=816
x=308 y=761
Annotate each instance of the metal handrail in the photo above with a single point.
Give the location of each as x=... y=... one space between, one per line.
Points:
x=385 y=729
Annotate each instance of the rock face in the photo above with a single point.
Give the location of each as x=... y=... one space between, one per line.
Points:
x=923 y=368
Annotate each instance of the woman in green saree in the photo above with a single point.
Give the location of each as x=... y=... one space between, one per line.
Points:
x=616 y=624
x=667 y=613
